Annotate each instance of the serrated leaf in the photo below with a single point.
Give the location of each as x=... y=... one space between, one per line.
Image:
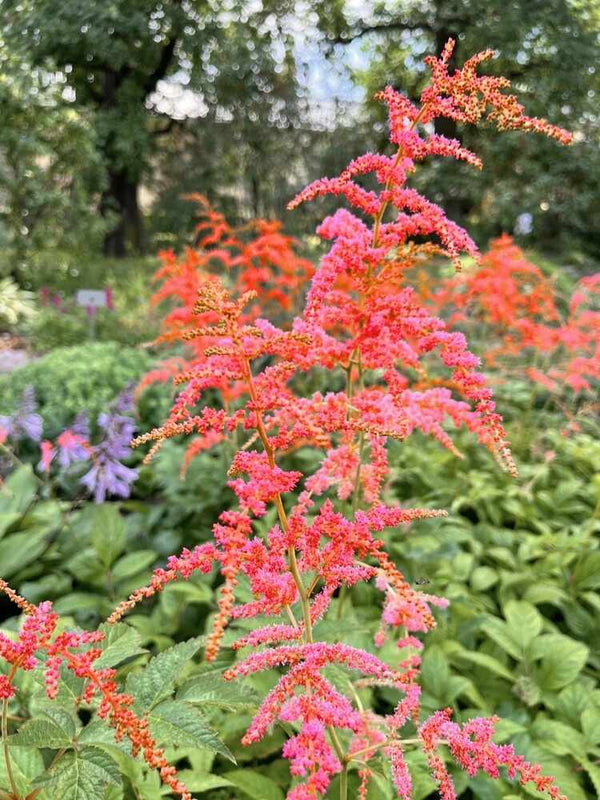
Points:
x=120 y=643
x=175 y=722
x=212 y=690
x=82 y=775
x=41 y=732
x=156 y=681
x=255 y=785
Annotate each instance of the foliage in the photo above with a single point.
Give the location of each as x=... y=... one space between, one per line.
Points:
x=15 y=303
x=72 y=380
x=237 y=58
x=48 y=167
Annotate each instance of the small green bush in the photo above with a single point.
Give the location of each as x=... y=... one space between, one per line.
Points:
x=74 y=379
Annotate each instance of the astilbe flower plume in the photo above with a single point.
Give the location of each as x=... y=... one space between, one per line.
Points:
x=39 y=644
x=531 y=330
x=406 y=370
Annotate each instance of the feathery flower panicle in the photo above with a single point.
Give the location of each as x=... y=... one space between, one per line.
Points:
x=405 y=370
x=38 y=642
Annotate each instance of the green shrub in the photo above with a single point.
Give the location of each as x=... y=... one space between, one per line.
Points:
x=73 y=379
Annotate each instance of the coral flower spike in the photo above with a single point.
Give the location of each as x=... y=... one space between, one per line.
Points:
x=297 y=542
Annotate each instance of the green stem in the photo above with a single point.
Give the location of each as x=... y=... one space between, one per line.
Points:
x=9 y=769
x=344 y=783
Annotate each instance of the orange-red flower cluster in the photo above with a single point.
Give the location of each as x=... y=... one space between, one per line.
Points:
x=405 y=370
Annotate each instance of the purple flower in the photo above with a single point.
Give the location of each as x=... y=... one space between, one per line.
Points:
x=81 y=425
x=108 y=476
x=72 y=447
x=25 y=421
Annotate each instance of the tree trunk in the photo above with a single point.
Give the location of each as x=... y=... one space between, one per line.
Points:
x=121 y=199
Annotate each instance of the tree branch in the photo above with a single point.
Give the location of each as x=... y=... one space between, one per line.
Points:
x=166 y=57
x=379 y=27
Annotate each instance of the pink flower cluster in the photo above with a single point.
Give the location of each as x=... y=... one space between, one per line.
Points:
x=405 y=370
x=39 y=643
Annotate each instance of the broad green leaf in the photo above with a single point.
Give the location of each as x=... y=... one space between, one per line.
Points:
x=562 y=660
x=212 y=690
x=27 y=764
x=19 y=490
x=121 y=642
x=7 y=519
x=108 y=533
x=175 y=722
x=500 y=633
x=590 y=724
x=593 y=770
x=82 y=775
x=132 y=563
x=435 y=671
x=254 y=785
x=197 y=782
x=572 y=702
x=484 y=660
x=482 y=578
x=156 y=681
x=524 y=622
x=20 y=549
x=559 y=738
x=587 y=573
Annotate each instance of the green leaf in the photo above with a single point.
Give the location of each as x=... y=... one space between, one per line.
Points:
x=590 y=724
x=486 y=661
x=121 y=642
x=587 y=573
x=196 y=782
x=524 y=622
x=7 y=520
x=44 y=731
x=212 y=690
x=27 y=764
x=175 y=722
x=255 y=785
x=482 y=578
x=19 y=490
x=592 y=770
x=132 y=563
x=108 y=533
x=156 y=681
x=562 y=660
x=20 y=549
x=559 y=738
x=82 y=775
x=500 y=633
